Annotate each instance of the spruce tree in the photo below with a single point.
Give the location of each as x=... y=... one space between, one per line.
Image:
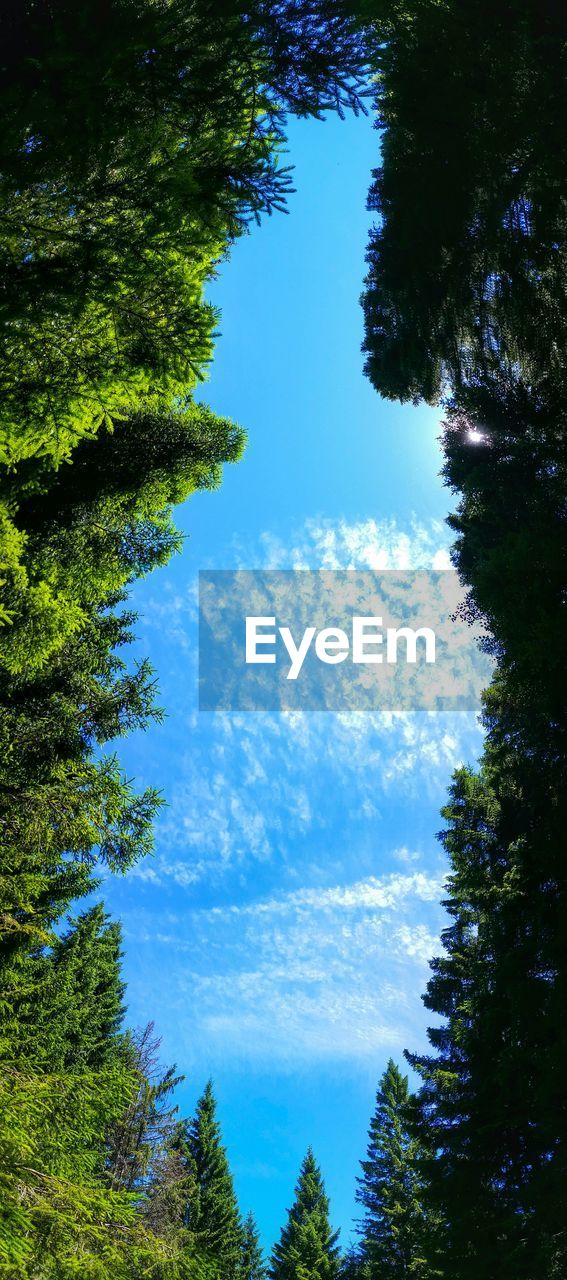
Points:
x=212 y=1211
x=354 y=1265
x=70 y=1008
x=252 y=1264
x=467 y=259
x=307 y=1248
x=394 y=1228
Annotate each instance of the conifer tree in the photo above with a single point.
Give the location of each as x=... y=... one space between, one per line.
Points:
x=354 y=1265
x=213 y=1214
x=90 y=528
x=252 y=1264
x=467 y=257
x=150 y=1118
x=69 y=1013
x=307 y=1248
x=394 y=1228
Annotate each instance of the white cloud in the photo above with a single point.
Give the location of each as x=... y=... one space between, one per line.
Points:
x=360 y=544
x=319 y=920
x=331 y=973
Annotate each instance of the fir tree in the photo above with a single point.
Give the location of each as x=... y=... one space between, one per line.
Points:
x=307 y=1249
x=252 y=1264
x=213 y=1214
x=467 y=260
x=70 y=1010
x=394 y=1227
x=354 y=1265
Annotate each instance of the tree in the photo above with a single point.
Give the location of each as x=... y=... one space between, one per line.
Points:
x=500 y=1134
x=138 y=141
x=87 y=531
x=252 y=1265
x=394 y=1231
x=354 y=1265
x=58 y=1216
x=505 y=462
x=98 y=524
x=213 y=1214
x=307 y=1248
x=467 y=259
x=465 y=297
x=135 y=150
x=149 y=1121
x=68 y=1009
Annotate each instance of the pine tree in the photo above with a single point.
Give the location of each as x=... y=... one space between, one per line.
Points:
x=307 y=1249
x=134 y=151
x=354 y=1265
x=70 y=1008
x=213 y=1214
x=58 y=1216
x=467 y=258
x=89 y=529
x=149 y=1118
x=252 y=1264
x=394 y=1227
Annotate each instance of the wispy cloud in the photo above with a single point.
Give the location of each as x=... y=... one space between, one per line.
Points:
x=331 y=973
x=293 y=902
x=251 y=787
x=360 y=544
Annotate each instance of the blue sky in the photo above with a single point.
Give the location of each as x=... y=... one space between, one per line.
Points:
x=279 y=937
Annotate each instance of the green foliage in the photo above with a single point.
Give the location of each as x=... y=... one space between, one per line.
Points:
x=500 y=1136
x=354 y=1265
x=500 y=990
x=252 y=1264
x=89 y=529
x=146 y=1125
x=503 y=456
x=57 y=1218
x=213 y=1214
x=139 y=139
x=396 y=1235
x=466 y=264
x=69 y=1007
x=307 y=1248
x=138 y=143
x=465 y=296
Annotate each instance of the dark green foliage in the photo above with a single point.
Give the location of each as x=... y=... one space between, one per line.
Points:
x=213 y=1214
x=139 y=138
x=466 y=295
x=467 y=260
x=354 y=1266
x=138 y=141
x=307 y=1248
x=501 y=1134
x=395 y=1232
x=252 y=1264
x=69 y=1012
x=504 y=458
x=492 y=1098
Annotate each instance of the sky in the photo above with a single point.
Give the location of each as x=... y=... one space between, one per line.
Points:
x=279 y=937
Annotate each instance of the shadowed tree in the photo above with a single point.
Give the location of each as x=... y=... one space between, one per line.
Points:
x=466 y=263
x=395 y=1233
